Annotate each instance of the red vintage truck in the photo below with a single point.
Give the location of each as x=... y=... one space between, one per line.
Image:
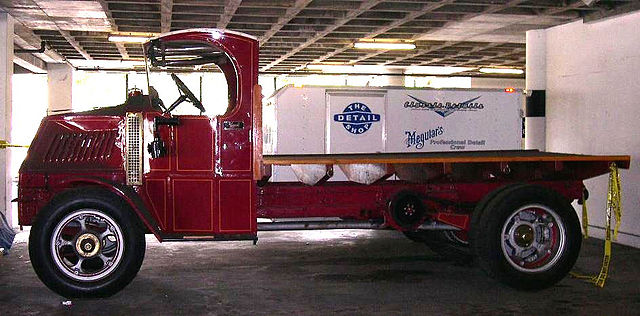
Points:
x=95 y=182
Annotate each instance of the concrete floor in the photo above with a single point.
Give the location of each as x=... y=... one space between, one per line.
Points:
x=344 y=272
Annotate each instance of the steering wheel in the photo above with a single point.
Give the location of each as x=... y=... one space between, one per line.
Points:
x=185 y=95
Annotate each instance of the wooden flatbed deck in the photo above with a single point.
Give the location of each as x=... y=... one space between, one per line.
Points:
x=443 y=157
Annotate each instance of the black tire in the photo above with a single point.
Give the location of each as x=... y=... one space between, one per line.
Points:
x=512 y=222
x=445 y=244
x=122 y=240
x=416 y=236
x=449 y=246
x=482 y=205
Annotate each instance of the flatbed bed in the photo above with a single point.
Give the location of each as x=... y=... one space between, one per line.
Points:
x=444 y=157
x=509 y=165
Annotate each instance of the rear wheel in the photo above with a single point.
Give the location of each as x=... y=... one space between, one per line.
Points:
x=86 y=243
x=527 y=237
x=480 y=208
x=449 y=244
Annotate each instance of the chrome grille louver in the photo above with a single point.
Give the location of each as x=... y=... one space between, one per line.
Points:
x=91 y=146
x=133 y=139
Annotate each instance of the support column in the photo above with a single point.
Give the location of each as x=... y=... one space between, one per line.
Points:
x=397 y=81
x=6 y=72
x=60 y=83
x=536 y=85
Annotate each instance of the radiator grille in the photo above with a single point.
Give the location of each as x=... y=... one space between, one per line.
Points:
x=133 y=162
x=93 y=146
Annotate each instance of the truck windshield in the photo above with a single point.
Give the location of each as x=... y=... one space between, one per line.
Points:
x=178 y=70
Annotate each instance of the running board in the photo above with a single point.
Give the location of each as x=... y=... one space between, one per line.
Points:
x=317 y=225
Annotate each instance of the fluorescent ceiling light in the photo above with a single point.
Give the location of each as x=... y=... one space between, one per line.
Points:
x=385 y=45
x=325 y=66
x=106 y=64
x=349 y=69
x=502 y=71
x=435 y=70
x=127 y=39
x=378 y=69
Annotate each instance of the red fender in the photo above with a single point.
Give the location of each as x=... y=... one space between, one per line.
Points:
x=128 y=194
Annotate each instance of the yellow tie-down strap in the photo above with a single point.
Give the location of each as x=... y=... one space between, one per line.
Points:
x=4 y=144
x=614 y=205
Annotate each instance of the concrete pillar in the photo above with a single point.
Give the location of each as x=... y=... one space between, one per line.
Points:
x=6 y=72
x=397 y=81
x=536 y=85
x=60 y=83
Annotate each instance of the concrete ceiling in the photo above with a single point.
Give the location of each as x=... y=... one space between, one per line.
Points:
x=295 y=33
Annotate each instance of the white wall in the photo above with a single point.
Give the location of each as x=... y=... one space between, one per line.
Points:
x=6 y=73
x=29 y=106
x=593 y=105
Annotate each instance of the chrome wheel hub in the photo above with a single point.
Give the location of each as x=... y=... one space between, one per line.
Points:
x=87 y=245
x=533 y=238
x=524 y=235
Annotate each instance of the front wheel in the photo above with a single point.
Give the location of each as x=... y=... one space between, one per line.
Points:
x=527 y=237
x=86 y=243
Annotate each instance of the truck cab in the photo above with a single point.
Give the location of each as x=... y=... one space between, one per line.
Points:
x=192 y=174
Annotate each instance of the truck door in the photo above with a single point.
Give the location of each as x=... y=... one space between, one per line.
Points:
x=180 y=185
x=236 y=188
x=191 y=181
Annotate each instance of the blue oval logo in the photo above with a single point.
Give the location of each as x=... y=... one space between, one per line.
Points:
x=356 y=118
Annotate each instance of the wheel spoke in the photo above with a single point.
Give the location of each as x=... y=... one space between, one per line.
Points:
x=62 y=242
x=106 y=233
x=83 y=224
x=106 y=261
x=78 y=266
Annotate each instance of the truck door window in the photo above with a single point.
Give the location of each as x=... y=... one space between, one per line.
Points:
x=174 y=57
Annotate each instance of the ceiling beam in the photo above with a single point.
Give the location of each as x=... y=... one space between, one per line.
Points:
x=291 y=13
x=598 y=15
x=166 y=7
x=64 y=33
x=26 y=39
x=477 y=60
x=461 y=54
x=295 y=33
x=230 y=8
x=490 y=9
x=408 y=18
x=75 y=44
x=366 y=5
x=114 y=27
x=417 y=52
x=122 y=50
x=30 y=62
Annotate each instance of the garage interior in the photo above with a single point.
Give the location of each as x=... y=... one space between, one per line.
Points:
x=583 y=54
